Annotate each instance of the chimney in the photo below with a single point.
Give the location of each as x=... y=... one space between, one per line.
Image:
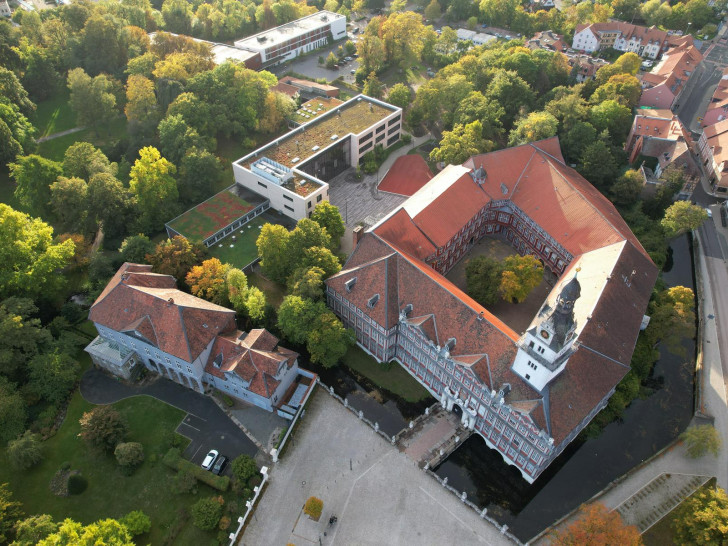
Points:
x=358 y=233
x=170 y=301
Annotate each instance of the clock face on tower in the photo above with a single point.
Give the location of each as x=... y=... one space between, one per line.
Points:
x=544 y=334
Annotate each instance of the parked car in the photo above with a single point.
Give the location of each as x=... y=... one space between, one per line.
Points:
x=210 y=459
x=348 y=59
x=710 y=212
x=352 y=71
x=219 y=465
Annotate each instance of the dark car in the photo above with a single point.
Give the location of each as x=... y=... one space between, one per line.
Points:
x=219 y=465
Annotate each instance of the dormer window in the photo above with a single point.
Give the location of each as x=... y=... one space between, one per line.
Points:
x=544 y=334
x=373 y=301
x=350 y=284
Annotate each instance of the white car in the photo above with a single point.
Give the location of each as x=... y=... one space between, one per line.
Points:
x=210 y=459
x=710 y=212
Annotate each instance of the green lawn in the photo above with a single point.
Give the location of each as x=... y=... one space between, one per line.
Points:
x=109 y=493
x=416 y=74
x=660 y=534
x=273 y=291
x=54 y=115
x=396 y=379
x=55 y=148
x=243 y=250
x=208 y=217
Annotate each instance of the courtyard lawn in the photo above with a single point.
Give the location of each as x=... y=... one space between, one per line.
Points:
x=243 y=249
x=220 y=210
x=55 y=148
x=395 y=379
x=274 y=292
x=54 y=115
x=109 y=493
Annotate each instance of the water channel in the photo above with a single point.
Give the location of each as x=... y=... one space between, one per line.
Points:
x=585 y=468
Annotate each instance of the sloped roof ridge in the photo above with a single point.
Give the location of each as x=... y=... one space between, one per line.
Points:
x=185 y=303
x=365 y=264
x=184 y=331
x=525 y=168
x=594 y=207
x=584 y=346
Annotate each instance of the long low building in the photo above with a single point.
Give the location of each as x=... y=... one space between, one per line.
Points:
x=527 y=394
x=293 y=171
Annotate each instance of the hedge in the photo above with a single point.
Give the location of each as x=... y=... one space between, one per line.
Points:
x=174 y=460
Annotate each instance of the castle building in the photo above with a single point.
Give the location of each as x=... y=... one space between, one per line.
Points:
x=143 y=320
x=527 y=394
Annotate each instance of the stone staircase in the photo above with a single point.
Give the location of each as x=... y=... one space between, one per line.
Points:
x=658 y=498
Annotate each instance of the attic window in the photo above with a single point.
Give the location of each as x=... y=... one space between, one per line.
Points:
x=204 y=325
x=218 y=361
x=350 y=284
x=504 y=188
x=373 y=300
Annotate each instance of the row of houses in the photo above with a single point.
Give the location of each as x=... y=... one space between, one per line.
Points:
x=648 y=42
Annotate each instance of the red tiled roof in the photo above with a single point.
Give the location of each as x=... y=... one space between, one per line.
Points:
x=407 y=175
x=180 y=324
x=399 y=227
x=286 y=89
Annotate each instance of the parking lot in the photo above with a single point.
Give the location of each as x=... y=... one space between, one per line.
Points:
x=310 y=67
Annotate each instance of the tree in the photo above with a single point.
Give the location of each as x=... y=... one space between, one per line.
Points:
x=272 y=244
x=331 y=60
x=683 y=216
x=237 y=288
x=16 y=132
x=129 y=454
x=400 y=95
x=176 y=137
x=307 y=234
x=402 y=34
x=200 y=172
x=317 y=256
x=184 y=482
x=313 y=507
x=31 y=530
x=461 y=143
x=575 y=141
x=307 y=283
x=475 y=107
x=83 y=160
x=509 y=90
x=152 y=182
x=208 y=281
x=177 y=16
x=176 y=257
x=598 y=165
x=69 y=198
x=33 y=176
x=244 y=468
x=30 y=269
x=372 y=54
x=433 y=11
x=521 y=274
x=373 y=87
x=296 y=317
x=328 y=340
x=11 y=511
x=137 y=522
x=102 y=45
x=672 y=313
x=92 y=99
x=135 y=248
x=106 y=531
x=568 y=107
x=21 y=336
x=103 y=427
x=52 y=375
x=535 y=126
x=328 y=216
x=700 y=440
x=206 y=513
x=14 y=92
x=655 y=13
x=612 y=116
x=278 y=108
x=627 y=189
x=141 y=104
x=110 y=204
x=255 y=303
x=25 y=451
x=597 y=525
x=623 y=88
x=482 y=279
x=702 y=518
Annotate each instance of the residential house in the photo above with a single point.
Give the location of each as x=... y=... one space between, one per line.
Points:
x=663 y=87
x=143 y=320
x=718 y=107
x=5 y=10
x=548 y=39
x=713 y=148
x=647 y=42
x=584 y=67
x=526 y=394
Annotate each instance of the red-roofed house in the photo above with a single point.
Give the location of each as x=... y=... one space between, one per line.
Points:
x=663 y=87
x=718 y=107
x=713 y=147
x=142 y=319
x=645 y=41
x=527 y=394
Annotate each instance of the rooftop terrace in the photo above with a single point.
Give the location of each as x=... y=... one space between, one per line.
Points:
x=285 y=32
x=315 y=107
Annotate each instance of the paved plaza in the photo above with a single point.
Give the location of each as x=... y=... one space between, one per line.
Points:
x=377 y=493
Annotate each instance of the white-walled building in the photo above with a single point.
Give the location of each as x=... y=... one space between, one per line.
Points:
x=287 y=41
x=142 y=319
x=5 y=10
x=292 y=171
x=647 y=42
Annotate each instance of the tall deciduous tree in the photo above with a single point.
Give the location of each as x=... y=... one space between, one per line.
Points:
x=83 y=160
x=612 y=116
x=22 y=336
x=597 y=525
x=208 y=281
x=461 y=143
x=521 y=274
x=482 y=278
x=33 y=176
x=141 y=108
x=152 y=182
x=106 y=531
x=176 y=137
x=30 y=268
x=110 y=205
x=52 y=376
x=16 y=132
x=399 y=94
x=272 y=246
x=25 y=451
x=328 y=216
x=701 y=439
x=307 y=283
x=135 y=248
x=176 y=257
x=328 y=340
x=373 y=87
x=33 y=529
x=296 y=316
x=103 y=427
x=200 y=172
x=307 y=234
x=535 y=126
x=683 y=216
x=13 y=415
x=69 y=203
x=626 y=190
x=11 y=511
x=702 y=518
x=14 y=92
x=510 y=91
x=318 y=256
x=92 y=99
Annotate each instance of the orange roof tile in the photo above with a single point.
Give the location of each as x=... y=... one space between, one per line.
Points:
x=407 y=175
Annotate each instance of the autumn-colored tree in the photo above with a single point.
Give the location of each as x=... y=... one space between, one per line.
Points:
x=596 y=524
x=683 y=216
x=141 y=102
x=106 y=531
x=307 y=282
x=702 y=519
x=208 y=281
x=176 y=257
x=535 y=126
x=521 y=274
x=373 y=87
x=672 y=318
x=700 y=440
x=313 y=507
x=103 y=427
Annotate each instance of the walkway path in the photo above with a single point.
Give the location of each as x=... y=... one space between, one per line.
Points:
x=58 y=135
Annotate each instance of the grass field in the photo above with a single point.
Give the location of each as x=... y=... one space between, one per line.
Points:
x=54 y=115
x=395 y=379
x=274 y=292
x=243 y=250
x=109 y=493
x=55 y=148
x=198 y=223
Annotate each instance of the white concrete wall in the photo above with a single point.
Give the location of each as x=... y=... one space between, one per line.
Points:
x=585 y=40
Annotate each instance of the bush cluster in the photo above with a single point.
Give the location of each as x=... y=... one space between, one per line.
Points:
x=174 y=460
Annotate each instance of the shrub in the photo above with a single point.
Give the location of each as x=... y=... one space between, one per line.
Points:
x=700 y=440
x=255 y=481
x=103 y=427
x=137 y=522
x=179 y=521
x=174 y=460
x=244 y=468
x=206 y=513
x=25 y=451
x=232 y=507
x=129 y=454
x=224 y=523
x=77 y=484
x=313 y=508
x=184 y=482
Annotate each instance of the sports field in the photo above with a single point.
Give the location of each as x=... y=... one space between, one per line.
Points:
x=210 y=216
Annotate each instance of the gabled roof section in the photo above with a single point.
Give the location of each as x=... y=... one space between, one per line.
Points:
x=399 y=228
x=180 y=324
x=406 y=176
x=427 y=326
x=259 y=338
